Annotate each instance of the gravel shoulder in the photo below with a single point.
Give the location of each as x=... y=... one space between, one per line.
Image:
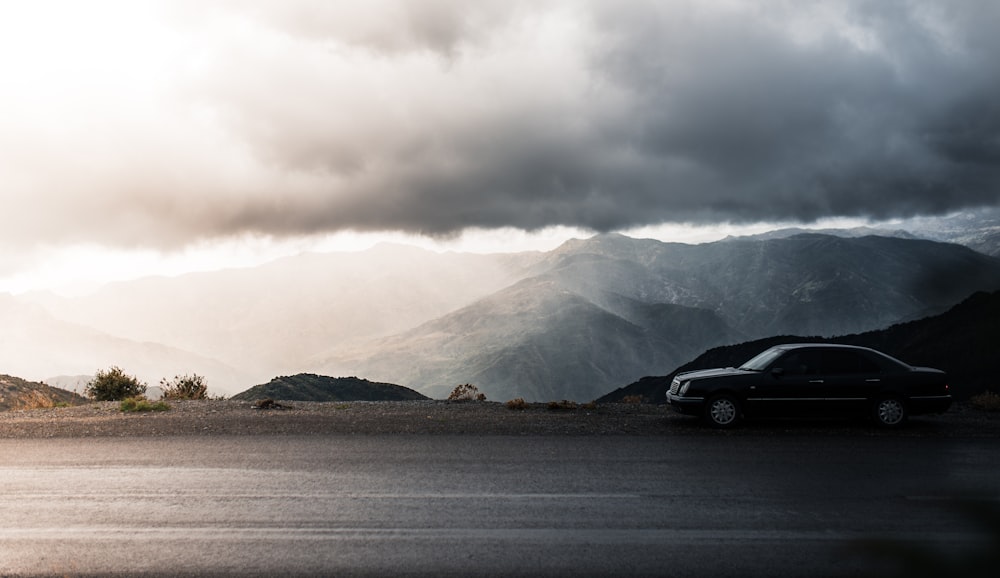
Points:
x=231 y=417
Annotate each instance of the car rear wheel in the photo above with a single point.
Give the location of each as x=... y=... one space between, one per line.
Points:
x=722 y=411
x=889 y=412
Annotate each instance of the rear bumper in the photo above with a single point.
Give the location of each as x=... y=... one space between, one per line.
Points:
x=929 y=404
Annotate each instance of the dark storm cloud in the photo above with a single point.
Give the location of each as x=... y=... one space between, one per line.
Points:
x=303 y=117
x=769 y=111
x=885 y=113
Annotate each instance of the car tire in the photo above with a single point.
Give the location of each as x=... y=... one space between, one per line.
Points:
x=722 y=411
x=889 y=412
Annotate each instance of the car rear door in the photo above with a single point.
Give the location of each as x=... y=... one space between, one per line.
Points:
x=849 y=380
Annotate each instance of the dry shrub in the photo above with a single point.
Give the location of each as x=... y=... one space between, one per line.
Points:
x=466 y=392
x=632 y=399
x=590 y=405
x=987 y=400
x=564 y=404
x=184 y=387
x=269 y=403
x=517 y=403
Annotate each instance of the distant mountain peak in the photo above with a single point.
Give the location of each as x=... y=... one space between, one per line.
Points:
x=853 y=232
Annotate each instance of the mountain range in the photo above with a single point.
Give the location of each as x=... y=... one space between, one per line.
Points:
x=594 y=311
x=978 y=230
x=571 y=323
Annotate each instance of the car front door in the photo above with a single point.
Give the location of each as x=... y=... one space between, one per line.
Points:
x=793 y=387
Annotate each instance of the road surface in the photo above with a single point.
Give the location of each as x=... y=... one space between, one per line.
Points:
x=739 y=505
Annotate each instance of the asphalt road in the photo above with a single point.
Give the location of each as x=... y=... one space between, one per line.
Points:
x=465 y=505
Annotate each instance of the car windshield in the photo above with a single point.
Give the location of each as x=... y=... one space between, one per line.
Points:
x=762 y=360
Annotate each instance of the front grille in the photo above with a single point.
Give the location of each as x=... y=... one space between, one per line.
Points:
x=674 y=386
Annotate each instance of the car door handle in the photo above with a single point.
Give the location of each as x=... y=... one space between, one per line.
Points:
x=815 y=381
x=876 y=380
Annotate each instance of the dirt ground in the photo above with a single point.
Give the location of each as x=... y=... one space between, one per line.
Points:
x=230 y=417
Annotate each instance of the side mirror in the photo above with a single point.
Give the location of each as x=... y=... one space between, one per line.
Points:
x=778 y=371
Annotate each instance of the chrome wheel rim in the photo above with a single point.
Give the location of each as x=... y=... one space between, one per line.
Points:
x=890 y=411
x=723 y=411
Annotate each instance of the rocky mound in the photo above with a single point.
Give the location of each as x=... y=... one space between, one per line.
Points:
x=310 y=387
x=16 y=393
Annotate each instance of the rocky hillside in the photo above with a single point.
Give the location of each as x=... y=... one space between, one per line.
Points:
x=310 y=387
x=539 y=341
x=16 y=393
x=961 y=341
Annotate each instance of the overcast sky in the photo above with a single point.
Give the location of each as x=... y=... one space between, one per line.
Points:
x=145 y=125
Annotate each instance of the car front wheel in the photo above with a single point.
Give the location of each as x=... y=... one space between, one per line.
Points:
x=889 y=412
x=722 y=411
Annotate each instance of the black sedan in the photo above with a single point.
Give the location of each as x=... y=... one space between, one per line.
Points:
x=803 y=380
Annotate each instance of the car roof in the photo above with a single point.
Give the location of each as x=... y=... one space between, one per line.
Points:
x=794 y=346
x=821 y=345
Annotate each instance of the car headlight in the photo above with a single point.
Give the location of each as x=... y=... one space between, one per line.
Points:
x=684 y=388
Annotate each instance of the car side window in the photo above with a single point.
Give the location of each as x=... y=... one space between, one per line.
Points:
x=800 y=363
x=847 y=363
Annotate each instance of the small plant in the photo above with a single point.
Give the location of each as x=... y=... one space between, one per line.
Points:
x=466 y=392
x=269 y=403
x=590 y=406
x=632 y=399
x=114 y=385
x=139 y=403
x=185 y=387
x=562 y=405
x=987 y=400
x=517 y=403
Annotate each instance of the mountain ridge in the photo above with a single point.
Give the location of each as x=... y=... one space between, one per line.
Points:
x=960 y=341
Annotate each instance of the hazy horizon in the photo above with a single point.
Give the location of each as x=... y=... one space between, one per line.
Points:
x=78 y=271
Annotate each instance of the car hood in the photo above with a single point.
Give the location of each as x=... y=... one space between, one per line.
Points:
x=707 y=373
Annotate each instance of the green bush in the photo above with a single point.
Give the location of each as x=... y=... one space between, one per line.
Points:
x=140 y=403
x=114 y=385
x=185 y=387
